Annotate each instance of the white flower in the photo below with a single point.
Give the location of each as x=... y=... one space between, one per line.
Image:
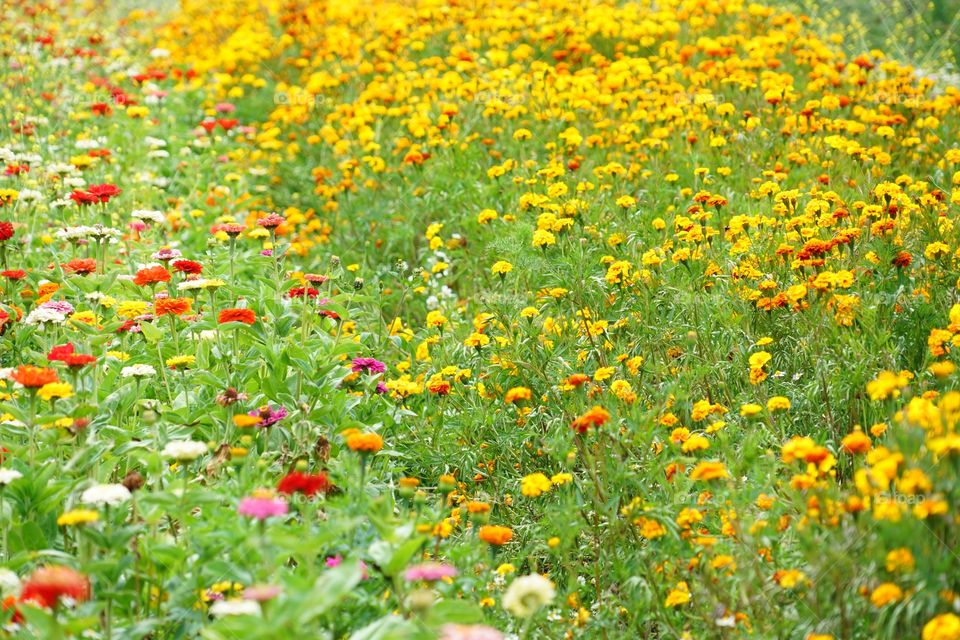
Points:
x=42 y=315
x=159 y=52
x=222 y=608
x=184 y=450
x=9 y=582
x=527 y=594
x=105 y=494
x=148 y=214
x=9 y=475
x=138 y=371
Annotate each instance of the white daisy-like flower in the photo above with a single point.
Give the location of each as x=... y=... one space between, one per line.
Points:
x=222 y=608
x=184 y=450
x=9 y=475
x=138 y=371
x=149 y=215
x=105 y=494
x=9 y=582
x=43 y=316
x=527 y=594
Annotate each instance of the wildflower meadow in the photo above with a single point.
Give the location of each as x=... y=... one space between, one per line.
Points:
x=479 y=319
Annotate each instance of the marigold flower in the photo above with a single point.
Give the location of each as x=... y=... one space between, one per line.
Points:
x=495 y=534
x=594 y=417
x=365 y=442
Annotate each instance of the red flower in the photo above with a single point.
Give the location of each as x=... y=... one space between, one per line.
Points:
x=95 y=193
x=82 y=197
x=65 y=353
x=6 y=231
x=187 y=266
x=47 y=585
x=13 y=274
x=298 y=292
x=104 y=192
x=151 y=275
x=246 y=316
x=60 y=352
x=305 y=483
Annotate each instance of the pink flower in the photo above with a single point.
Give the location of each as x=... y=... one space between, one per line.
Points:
x=262 y=508
x=469 y=632
x=430 y=572
x=271 y=221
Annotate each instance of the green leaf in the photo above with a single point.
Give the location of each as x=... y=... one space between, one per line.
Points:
x=387 y=628
x=329 y=589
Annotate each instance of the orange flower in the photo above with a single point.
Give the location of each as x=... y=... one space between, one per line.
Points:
x=175 y=306
x=856 y=442
x=34 y=377
x=151 y=275
x=595 y=417
x=709 y=471
x=246 y=316
x=82 y=266
x=365 y=442
x=495 y=534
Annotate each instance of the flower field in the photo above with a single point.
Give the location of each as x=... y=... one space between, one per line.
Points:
x=474 y=320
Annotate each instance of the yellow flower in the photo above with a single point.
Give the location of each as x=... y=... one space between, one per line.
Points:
x=53 y=390
x=476 y=340
x=885 y=594
x=501 y=268
x=678 y=596
x=77 y=517
x=180 y=361
x=535 y=485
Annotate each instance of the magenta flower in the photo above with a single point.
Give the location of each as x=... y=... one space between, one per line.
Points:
x=269 y=416
x=368 y=365
x=430 y=572
x=337 y=560
x=262 y=508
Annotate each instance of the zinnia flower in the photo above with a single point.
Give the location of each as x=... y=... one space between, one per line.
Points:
x=48 y=585
x=246 y=316
x=305 y=483
x=430 y=572
x=527 y=594
x=33 y=377
x=261 y=508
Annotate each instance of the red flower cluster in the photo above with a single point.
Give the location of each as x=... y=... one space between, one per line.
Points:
x=306 y=483
x=97 y=193
x=66 y=353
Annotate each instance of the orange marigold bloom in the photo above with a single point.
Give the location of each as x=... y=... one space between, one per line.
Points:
x=34 y=377
x=709 y=471
x=595 y=417
x=246 y=316
x=151 y=275
x=365 y=442
x=495 y=534
x=856 y=442
x=175 y=306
